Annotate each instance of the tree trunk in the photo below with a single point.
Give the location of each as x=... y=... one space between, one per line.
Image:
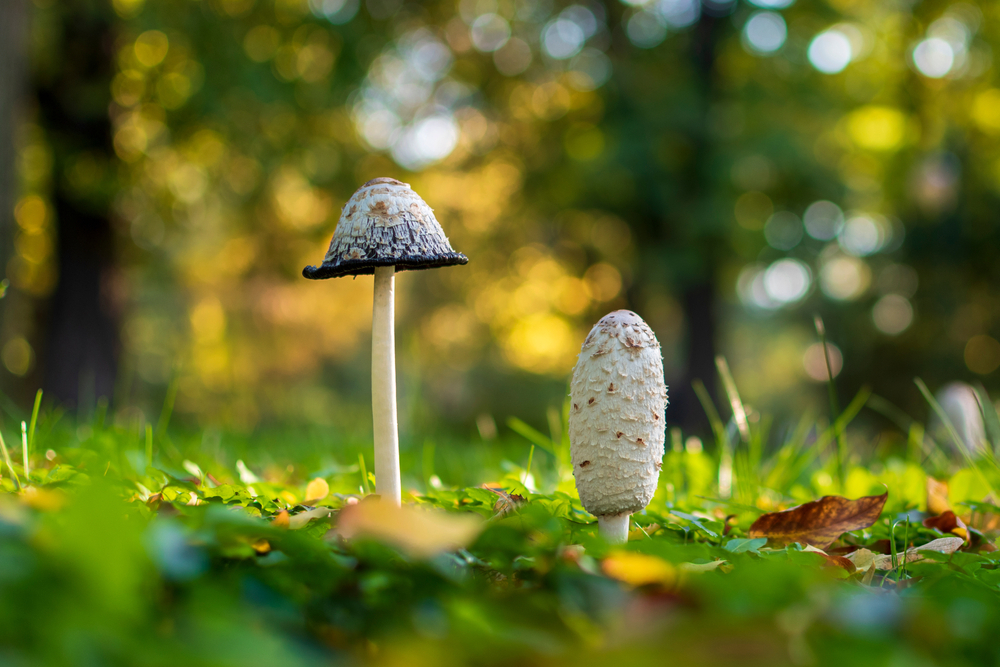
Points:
x=80 y=359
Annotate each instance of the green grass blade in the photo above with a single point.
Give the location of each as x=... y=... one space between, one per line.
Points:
x=739 y=411
x=953 y=434
x=34 y=418
x=532 y=435
x=24 y=452
x=364 y=474
x=721 y=440
x=168 y=406
x=834 y=403
x=990 y=417
x=10 y=466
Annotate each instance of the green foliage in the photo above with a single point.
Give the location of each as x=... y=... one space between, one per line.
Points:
x=130 y=550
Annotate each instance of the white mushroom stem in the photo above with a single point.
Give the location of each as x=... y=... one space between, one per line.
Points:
x=614 y=527
x=387 y=483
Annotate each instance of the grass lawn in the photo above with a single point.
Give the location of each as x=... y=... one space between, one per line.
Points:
x=123 y=547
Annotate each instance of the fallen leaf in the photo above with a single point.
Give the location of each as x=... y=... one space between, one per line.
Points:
x=261 y=546
x=506 y=502
x=281 y=520
x=697 y=568
x=317 y=489
x=419 y=532
x=820 y=522
x=864 y=559
x=948 y=522
x=637 y=569
x=302 y=518
x=937 y=496
x=833 y=560
x=944 y=545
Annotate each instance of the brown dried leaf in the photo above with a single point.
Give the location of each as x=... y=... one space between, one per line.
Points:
x=506 y=502
x=820 y=522
x=833 y=560
x=948 y=522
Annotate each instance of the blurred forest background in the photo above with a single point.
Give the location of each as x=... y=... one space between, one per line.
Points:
x=727 y=169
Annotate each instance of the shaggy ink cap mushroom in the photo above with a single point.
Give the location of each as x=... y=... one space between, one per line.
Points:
x=385 y=227
x=617 y=421
x=385 y=223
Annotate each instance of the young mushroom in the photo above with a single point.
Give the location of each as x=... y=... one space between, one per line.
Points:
x=385 y=227
x=616 y=421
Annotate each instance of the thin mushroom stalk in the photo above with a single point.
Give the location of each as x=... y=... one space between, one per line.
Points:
x=617 y=421
x=385 y=227
x=386 y=431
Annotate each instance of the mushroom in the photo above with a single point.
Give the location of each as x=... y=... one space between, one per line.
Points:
x=616 y=421
x=385 y=227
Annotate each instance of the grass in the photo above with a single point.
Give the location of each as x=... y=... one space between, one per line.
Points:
x=134 y=545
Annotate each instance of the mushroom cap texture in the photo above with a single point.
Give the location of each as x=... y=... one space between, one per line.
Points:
x=616 y=418
x=385 y=223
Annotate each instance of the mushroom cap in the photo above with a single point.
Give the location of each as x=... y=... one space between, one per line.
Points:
x=616 y=418
x=385 y=223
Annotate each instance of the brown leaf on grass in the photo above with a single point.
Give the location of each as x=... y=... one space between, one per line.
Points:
x=833 y=560
x=937 y=496
x=948 y=522
x=506 y=502
x=820 y=522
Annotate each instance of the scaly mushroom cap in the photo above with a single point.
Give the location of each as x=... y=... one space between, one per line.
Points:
x=385 y=223
x=616 y=417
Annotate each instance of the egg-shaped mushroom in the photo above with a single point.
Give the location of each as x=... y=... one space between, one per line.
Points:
x=617 y=420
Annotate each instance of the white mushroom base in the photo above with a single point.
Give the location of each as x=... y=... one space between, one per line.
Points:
x=614 y=527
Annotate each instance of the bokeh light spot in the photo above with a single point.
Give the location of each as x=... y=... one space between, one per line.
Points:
x=823 y=220
x=604 y=281
x=783 y=230
x=513 y=57
x=877 y=127
x=562 y=38
x=151 y=48
x=892 y=314
x=490 y=32
x=845 y=278
x=787 y=280
x=765 y=32
x=646 y=29
x=830 y=51
x=933 y=57
x=815 y=361
x=18 y=357
x=982 y=354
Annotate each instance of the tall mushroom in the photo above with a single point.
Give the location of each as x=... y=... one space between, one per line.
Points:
x=385 y=227
x=616 y=420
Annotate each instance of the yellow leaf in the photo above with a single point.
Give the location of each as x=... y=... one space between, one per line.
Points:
x=317 y=489
x=416 y=531
x=281 y=520
x=638 y=569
